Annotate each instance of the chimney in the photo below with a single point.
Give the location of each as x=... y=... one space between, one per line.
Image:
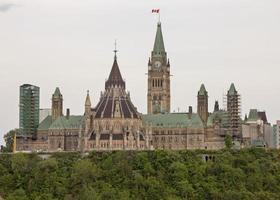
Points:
x=67 y=113
x=190 y=112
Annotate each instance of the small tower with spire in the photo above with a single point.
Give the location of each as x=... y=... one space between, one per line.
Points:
x=57 y=104
x=158 y=94
x=202 y=103
x=87 y=104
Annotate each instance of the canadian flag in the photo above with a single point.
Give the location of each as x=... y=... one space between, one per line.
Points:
x=155 y=11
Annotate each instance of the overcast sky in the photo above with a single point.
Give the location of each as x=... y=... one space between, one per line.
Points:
x=69 y=43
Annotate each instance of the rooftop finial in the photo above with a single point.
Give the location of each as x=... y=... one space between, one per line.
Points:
x=115 y=51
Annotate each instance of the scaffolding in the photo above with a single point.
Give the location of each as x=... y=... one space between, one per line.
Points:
x=232 y=104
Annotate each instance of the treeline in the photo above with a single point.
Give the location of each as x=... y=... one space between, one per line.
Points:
x=246 y=174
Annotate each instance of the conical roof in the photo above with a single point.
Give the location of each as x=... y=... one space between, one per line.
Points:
x=115 y=102
x=115 y=77
x=57 y=92
x=159 y=44
x=232 y=90
x=88 y=102
x=202 y=90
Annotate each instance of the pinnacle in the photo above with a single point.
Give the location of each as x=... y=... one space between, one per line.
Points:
x=202 y=90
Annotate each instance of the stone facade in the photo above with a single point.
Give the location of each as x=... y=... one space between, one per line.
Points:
x=115 y=124
x=158 y=97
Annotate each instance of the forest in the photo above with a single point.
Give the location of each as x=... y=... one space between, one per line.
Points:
x=230 y=174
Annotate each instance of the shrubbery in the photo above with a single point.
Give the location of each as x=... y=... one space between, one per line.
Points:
x=245 y=174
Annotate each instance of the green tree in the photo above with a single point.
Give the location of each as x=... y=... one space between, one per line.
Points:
x=9 y=140
x=18 y=194
x=228 y=142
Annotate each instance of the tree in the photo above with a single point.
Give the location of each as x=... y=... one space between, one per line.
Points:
x=18 y=194
x=228 y=142
x=9 y=139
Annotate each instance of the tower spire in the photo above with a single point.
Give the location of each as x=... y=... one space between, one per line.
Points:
x=115 y=77
x=115 y=50
x=87 y=103
x=159 y=44
x=158 y=76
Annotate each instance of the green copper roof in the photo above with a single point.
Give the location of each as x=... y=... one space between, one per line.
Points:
x=159 y=45
x=62 y=122
x=232 y=90
x=173 y=120
x=45 y=124
x=57 y=92
x=219 y=116
x=202 y=91
x=253 y=115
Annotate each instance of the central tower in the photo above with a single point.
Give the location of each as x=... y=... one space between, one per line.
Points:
x=158 y=97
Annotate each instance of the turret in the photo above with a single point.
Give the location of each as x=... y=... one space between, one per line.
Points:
x=87 y=104
x=202 y=103
x=57 y=104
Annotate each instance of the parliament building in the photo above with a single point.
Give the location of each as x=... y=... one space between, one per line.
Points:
x=115 y=124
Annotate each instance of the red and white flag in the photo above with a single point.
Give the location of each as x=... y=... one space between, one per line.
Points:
x=155 y=10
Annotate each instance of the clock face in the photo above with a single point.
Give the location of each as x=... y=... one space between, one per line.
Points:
x=157 y=64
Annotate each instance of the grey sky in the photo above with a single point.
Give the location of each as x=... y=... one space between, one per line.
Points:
x=69 y=43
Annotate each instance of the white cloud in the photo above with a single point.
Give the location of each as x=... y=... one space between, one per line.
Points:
x=5 y=7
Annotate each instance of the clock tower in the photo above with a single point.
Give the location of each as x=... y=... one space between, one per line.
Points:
x=158 y=97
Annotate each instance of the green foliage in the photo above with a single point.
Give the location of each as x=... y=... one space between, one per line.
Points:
x=9 y=140
x=245 y=174
x=228 y=142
